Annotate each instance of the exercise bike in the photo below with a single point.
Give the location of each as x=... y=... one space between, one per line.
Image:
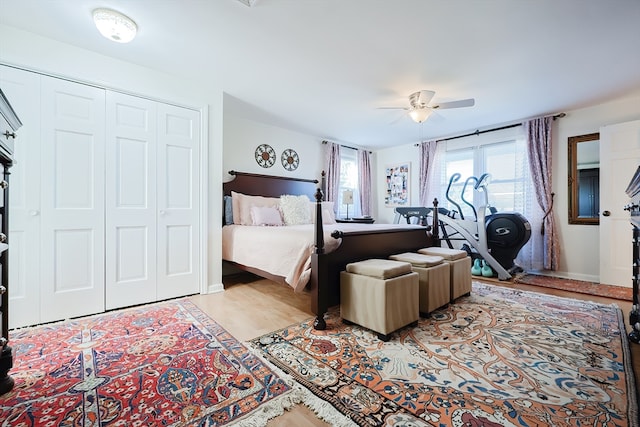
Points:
x=496 y=237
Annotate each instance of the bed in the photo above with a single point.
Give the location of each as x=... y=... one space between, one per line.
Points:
x=307 y=256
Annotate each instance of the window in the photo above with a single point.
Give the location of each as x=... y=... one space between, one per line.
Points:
x=348 y=181
x=506 y=163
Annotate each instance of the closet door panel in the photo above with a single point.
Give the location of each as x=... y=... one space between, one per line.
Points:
x=131 y=201
x=23 y=89
x=178 y=201
x=72 y=182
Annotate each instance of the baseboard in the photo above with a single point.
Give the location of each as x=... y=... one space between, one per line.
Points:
x=566 y=275
x=214 y=288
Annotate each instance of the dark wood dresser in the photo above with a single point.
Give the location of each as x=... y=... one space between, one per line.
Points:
x=9 y=124
x=633 y=191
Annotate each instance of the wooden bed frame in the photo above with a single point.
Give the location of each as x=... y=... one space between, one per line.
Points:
x=324 y=284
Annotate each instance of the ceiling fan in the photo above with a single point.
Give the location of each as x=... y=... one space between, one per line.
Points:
x=420 y=110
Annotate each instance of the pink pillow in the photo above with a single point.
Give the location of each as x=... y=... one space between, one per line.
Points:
x=242 y=204
x=264 y=215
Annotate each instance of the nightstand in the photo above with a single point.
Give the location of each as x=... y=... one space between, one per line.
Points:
x=356 y=220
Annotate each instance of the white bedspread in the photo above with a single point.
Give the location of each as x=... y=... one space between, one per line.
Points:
x=284 y=251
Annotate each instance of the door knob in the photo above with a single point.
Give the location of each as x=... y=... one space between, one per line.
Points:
x=34 y=213
x=606 y=213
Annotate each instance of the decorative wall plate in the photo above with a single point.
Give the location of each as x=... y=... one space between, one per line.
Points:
x=290 y=159
x=265 y=155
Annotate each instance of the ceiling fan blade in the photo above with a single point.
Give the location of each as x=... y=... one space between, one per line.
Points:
x=391 y=108
x=456 y=104
x=397 y=120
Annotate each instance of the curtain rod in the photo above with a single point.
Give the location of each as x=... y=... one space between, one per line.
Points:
x=479 y=132
x=345 y=146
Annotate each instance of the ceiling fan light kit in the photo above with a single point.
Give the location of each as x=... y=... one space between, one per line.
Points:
x=419 y=115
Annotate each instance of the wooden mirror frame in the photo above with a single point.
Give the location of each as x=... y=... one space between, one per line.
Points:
x=573 y=179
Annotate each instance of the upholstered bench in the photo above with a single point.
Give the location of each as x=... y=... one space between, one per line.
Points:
x=379 y=294
x=433 y=277
x=460 y=268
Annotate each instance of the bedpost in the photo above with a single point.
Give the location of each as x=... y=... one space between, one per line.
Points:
x=319 y=269
x=319 y=236
x=323 y=184
x=435 y=227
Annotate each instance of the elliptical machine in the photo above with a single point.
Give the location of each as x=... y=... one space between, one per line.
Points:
x=497 y=237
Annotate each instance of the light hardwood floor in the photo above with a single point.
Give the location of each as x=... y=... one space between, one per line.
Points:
x=251 y=306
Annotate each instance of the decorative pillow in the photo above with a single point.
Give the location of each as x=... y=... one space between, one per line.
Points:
x=242 y=204
x=295 y=209
x=265 y=215
x=328 y=215
x=228 y=210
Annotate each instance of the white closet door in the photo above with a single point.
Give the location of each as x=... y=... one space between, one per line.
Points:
x=22 y=88
x=130 y=201
x=178 y=201
x=72 y=256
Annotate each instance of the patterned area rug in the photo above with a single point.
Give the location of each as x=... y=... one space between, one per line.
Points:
x=165 y=364
x=589 y=288
x=500 y=357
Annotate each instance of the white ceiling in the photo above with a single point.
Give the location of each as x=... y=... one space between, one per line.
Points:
x=325 y=66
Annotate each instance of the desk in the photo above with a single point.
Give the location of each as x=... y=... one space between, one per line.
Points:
x=356 y=220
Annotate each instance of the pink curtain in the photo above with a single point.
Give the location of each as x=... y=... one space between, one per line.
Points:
x=427 y=160
x=538 y=134
x=333 y=173
x=364 y=181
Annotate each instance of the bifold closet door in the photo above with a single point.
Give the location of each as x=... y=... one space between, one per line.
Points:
x=130 y=201
x=178 y=201
x=22 y=88
x=72 y=196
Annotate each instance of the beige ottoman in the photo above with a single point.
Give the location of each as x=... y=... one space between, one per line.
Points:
x=379 y=294
x=434 y=279
x=460 y=263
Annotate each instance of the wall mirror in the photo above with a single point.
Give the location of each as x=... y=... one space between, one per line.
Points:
x=584 y=179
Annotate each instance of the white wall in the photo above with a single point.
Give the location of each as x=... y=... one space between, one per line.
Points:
x=30 y=51
x=404 y=154
x=242 y=135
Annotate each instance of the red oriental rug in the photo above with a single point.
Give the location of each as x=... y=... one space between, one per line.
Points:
x=499 y=357
x=580 y=286
x=165 y=364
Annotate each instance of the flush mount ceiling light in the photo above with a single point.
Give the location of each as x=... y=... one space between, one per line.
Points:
x=114 y=25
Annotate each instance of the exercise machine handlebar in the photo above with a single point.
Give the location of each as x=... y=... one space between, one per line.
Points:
x=455 y=177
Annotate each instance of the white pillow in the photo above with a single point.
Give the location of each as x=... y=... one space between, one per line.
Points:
x=328 y=215
x=295 y=209
x=265 y=215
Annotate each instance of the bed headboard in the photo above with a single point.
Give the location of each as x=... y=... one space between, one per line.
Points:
x=269 y=186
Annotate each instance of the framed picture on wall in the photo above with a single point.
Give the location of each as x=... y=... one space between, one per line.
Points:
x=397 y=185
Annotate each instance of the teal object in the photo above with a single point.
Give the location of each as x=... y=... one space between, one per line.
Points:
x=486 y=269
x=476 y=269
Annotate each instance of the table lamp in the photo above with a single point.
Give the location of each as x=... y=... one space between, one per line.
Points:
x=347 y=199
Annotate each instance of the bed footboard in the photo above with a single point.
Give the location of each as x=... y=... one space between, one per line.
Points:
x=355 y=246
